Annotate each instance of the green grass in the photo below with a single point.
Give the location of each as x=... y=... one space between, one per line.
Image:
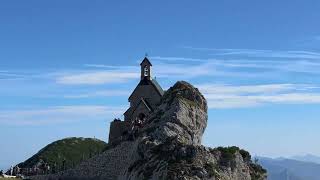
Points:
x=71 y=150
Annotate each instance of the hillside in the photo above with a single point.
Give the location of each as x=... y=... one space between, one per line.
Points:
x=71 y=151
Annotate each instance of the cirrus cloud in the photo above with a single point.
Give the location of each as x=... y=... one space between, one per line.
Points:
x=59 y=114
x=231 y=96
x=100 y=77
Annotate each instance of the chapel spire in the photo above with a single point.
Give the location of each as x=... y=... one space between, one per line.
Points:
x=145 y=69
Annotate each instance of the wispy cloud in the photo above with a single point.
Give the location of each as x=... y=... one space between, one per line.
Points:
x=317 y=38
x=226 y=66
x=270 y=53
x=59 y=114
x=231 y=96
x=120 y=74
x=105 y=93
x=99 y=77
x=7 y=75
x=109 y=66
x=193 y=67
x=296 y=54
x=264 y=88
x=184 y=70
x=203 y=69
x=179 y=67
x=178 y=59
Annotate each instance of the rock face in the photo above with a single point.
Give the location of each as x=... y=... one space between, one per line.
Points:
x=182 y=116
x=169 y=147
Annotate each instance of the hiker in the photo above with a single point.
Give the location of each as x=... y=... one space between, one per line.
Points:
x=48 y=169
x=11 y=170
x=137 y=125
x=16 y=170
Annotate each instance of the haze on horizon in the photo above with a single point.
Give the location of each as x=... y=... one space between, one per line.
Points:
x=68 y=67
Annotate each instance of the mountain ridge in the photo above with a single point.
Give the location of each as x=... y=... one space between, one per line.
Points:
x=307 y=158
x=280 y=168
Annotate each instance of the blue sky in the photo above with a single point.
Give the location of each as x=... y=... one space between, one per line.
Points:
x=257 y=63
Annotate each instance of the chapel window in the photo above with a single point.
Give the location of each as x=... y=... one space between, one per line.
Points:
x=146 y=71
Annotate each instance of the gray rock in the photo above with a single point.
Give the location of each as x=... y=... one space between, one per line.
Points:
x=182 y=115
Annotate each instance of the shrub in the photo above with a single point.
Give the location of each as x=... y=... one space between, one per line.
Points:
x=245 y=155
x=227 y=156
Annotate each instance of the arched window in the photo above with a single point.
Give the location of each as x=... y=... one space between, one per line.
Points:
x=146 y=71
x=142 y=117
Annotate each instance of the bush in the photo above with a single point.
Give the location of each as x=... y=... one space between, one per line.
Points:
x=228 y=151
x=257 y=172
x=227 y=156
x=245 y=155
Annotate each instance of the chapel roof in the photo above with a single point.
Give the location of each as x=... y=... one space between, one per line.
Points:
x=152 y=82
x=144 y=102
x=145 y=61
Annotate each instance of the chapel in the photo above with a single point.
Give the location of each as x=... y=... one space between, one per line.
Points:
x=143 y=100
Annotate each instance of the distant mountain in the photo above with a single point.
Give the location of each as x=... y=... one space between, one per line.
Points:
x=283 y=175
x=65 y=153
x=307 y=158
x=289 y=169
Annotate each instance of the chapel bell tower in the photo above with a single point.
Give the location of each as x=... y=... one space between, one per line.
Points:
x=146 y=69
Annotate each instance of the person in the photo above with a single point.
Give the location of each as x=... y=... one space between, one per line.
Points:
x=35 y=170
x=54 y=168
x=1 y=172
x=64 y=164
x=48 y=169
x=137 y=125
x=11 y=170
x=16 y=170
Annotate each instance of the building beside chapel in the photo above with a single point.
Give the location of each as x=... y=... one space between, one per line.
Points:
x=143 y=100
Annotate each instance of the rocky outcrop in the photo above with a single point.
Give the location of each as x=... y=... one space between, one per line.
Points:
x=169 y=147
x=182 y=116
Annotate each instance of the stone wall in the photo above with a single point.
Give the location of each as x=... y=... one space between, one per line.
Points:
x=118 y=128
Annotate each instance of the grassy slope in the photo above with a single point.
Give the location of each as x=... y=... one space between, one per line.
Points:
x=72 y=150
